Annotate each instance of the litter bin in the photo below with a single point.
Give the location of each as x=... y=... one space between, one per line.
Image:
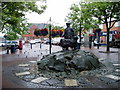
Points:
x=20 y=45
x=13 y=49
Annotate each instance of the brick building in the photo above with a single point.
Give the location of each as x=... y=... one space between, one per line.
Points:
x=30 y=35
x=103 y=34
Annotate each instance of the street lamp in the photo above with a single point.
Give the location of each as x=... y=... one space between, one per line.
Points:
x=50 y=36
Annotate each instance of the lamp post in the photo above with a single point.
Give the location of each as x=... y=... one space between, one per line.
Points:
x=80 y=34
x=50 y=37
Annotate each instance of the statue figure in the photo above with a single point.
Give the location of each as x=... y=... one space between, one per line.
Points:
x=70 y=38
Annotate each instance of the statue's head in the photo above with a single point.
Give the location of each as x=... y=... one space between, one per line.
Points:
x=68 y=24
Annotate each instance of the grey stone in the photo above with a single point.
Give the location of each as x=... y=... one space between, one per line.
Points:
x=29 y=77
x=64 y=61
x=53 y=82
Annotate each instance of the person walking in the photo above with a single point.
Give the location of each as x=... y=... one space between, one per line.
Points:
x=78 y=43
x=90 y=41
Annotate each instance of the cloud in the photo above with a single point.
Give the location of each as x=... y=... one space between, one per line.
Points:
x=56 y=9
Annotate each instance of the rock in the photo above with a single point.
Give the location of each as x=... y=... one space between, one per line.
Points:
x=64 y=61
x=52 y=82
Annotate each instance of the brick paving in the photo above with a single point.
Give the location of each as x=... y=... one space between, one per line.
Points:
x=36 y=53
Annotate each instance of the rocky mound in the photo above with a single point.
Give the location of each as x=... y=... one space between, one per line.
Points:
x=65 y=61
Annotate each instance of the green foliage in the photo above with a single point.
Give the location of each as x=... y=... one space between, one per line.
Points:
x=104 y=11
x=89 y=14
x=57 y=27
x=78 y=19
x=83 y=14
x=11 y=36
x=13 y=16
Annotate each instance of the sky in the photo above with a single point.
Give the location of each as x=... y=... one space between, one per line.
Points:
x=56 y=9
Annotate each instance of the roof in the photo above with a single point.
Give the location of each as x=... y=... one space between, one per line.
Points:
x=38 y=25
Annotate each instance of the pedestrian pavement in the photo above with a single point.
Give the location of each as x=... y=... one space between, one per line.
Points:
x=27 y=52
x=113 y=56
x=36 y=53
x=22 y=56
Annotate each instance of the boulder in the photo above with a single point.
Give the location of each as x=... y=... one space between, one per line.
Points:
x=64 y=61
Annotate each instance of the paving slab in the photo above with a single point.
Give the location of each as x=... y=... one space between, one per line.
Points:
x=101 y=59
x=22 y=73
x=53 y=82
x=33 y=61
x=39 y=79
x=116 y=64
x=117 y=70
x=23 y=65
x=70 y=82
x=113 y=77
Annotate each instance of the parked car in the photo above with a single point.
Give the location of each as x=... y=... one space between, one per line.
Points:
x=9 y=43
x=48 y=41
x=37 y=40
x=23 y=42
x=55 y=42
x=2 y=43
x=32 y=41
x=42 y=41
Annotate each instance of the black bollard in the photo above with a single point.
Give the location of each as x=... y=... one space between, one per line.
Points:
x=31 y=45
x=40 y=45
x=98 y=46
x=7 y=51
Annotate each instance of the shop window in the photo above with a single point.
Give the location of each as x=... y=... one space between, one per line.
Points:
x=28 y=38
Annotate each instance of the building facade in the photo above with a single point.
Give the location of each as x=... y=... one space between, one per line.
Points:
x=103 y=33
x=30 y=35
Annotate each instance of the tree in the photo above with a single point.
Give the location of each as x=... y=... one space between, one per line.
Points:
x=13 y=15
x=79 y=20
x=105 y=12
x=11 y=36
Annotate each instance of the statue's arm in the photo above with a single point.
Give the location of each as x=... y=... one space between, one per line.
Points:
x=75 y=34
x=63 y=35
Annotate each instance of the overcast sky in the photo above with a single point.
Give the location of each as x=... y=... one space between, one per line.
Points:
x=56 y=9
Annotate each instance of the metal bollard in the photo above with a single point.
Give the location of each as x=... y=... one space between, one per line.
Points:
x=7 y=50
x=31 y=45
x=40 y=45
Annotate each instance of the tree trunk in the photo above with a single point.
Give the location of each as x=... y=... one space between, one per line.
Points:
x=108 y=29
x=80 y=34
x=108 y=48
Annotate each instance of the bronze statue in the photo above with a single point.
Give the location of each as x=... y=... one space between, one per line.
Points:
x=70 y=38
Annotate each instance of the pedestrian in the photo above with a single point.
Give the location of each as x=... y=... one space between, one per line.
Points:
x=20 y=45
x=90 y=41
x=7 y=50
x=78 y=43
